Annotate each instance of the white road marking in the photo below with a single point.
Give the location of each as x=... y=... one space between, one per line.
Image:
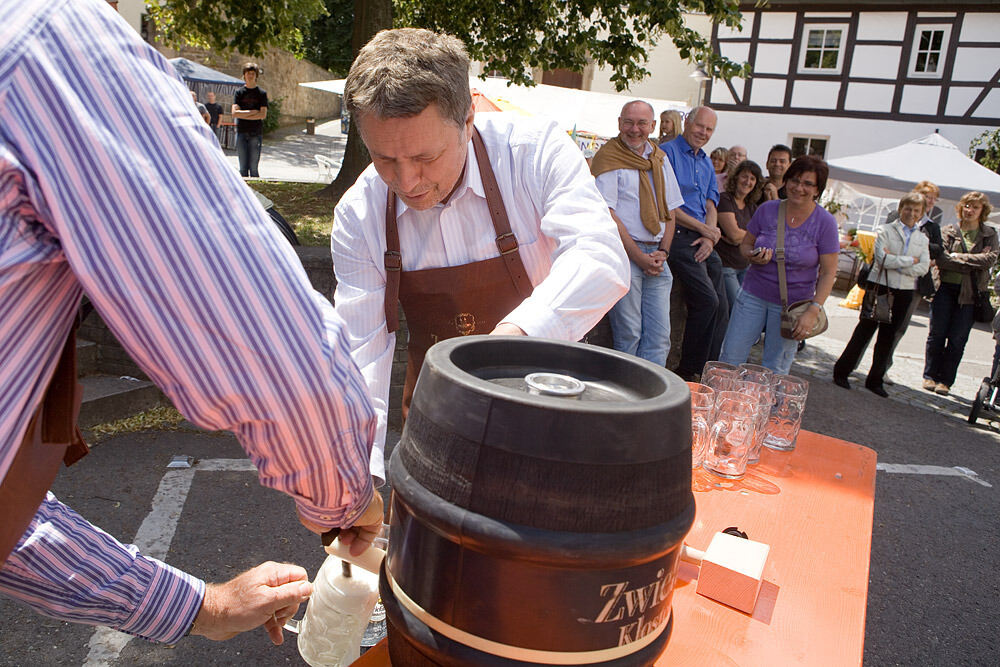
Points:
x=153 y=539
x=908 y=469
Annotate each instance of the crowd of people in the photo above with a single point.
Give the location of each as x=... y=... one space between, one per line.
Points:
x=709 y=222
x=743 y=248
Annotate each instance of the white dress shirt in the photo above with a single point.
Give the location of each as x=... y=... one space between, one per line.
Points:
x=568 y=242
x=620 y=189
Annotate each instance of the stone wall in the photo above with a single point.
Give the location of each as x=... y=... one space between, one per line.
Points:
x=283 y=73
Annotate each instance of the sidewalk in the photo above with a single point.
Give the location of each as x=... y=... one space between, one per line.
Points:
x=820 y=353
x=289 y=154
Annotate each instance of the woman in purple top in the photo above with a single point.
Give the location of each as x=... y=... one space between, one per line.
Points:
x=812 y=246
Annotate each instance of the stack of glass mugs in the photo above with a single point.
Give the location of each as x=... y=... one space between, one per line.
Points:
x=736 y=410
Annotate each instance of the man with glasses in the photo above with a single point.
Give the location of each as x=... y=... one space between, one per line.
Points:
x=639 y=185
x=694 y=261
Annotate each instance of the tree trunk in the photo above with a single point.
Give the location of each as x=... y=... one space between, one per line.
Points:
x=370 y=16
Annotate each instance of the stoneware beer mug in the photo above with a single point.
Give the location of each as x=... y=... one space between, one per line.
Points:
x=702 y=406
x=731 y=436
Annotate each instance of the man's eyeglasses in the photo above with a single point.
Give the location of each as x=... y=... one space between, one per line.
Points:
x=642 y=124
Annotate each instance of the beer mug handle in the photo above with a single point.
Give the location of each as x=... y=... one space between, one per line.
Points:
x=292 y=625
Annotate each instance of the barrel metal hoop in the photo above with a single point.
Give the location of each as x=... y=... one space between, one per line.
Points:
x=516 y=652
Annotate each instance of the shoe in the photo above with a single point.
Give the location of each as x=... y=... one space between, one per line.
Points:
x=929 y=384
x=889 y=381
x=941 y=388
x=841 y=382
x=878 y=391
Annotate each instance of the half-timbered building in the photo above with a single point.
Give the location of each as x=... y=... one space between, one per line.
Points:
x=838 y=77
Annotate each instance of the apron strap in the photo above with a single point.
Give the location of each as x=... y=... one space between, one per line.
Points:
x=505 y=239
x=393 y=265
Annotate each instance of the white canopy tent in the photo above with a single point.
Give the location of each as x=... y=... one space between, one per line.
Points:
x=582 y=110
x=872 y=183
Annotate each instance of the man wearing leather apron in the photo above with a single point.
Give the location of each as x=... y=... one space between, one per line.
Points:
x=474 y=224
x=142 y=212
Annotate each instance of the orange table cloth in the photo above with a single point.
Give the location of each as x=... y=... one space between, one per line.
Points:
x=814 y=507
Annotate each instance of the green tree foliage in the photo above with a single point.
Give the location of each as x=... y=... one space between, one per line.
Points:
x=235 y=25
x=989 y=142
x=515 y=36
x=328 y=40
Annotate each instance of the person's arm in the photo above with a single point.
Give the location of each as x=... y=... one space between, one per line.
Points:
x=685 y=219
x=193 y=279
x=967 y=262
x=590 y=270
x=358 y=247
x=891 y=261
x=824 y=285
x=249 y=114
x=652 y=263
x=922 y=262
x=68 y=569
x=731 y=231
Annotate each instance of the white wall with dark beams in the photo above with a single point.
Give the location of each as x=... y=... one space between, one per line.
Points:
x=867 y=80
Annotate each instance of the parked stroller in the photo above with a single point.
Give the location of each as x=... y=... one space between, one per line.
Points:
x=988 y=396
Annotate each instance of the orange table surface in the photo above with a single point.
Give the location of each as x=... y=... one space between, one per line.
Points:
x=814 y=507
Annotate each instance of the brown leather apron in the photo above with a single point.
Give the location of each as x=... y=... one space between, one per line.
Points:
x=453 y=300
x=52 y=436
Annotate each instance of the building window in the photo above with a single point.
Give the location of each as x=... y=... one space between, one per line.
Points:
x=929 y=48
x=809 y=146
x=821 y=50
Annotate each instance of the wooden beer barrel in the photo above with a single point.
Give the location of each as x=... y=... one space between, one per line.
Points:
x=537 y=528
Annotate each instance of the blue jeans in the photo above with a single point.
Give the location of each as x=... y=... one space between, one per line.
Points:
x=640 y=321
x=248 y=151
x=733 y=279
x=750 y=315
x=949 y=332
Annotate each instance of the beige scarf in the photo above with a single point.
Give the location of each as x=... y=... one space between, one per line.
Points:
x=652 y=206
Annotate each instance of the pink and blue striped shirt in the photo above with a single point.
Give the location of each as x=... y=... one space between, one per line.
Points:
x=112 y=186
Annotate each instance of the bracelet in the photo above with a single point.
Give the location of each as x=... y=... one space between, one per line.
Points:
x=817 y=304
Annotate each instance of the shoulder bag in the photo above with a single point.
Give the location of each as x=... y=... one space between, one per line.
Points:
x=877 y=305
x=790 y=312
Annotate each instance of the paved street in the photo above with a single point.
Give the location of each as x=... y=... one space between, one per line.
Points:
x=933 y=592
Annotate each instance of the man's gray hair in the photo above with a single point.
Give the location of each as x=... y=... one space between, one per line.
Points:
x=400 y=72
x=628 y=104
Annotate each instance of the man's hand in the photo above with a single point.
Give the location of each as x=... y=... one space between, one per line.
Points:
x=267 y=595
x=770 y=191
x=651 y=263
x=704 y=249
x=711 y=233
x=508 y=329
x=359 y=536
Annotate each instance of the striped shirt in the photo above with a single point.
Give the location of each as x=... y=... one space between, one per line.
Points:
x=568 y=242
x=111 y=185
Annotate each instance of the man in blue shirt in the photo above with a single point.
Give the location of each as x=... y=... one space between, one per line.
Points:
x=693 y=260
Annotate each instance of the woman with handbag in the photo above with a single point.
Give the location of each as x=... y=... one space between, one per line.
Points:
x=969 y=252
x=901 y=257
x=802 y=275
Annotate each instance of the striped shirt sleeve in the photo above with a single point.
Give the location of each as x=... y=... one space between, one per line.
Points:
x=113 y=186
x=68 y=569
